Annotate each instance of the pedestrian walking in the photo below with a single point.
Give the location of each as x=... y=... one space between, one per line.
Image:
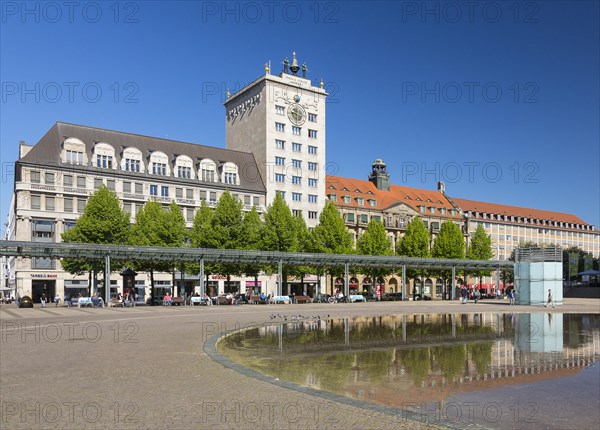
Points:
x=550 y=299
x=43 y=299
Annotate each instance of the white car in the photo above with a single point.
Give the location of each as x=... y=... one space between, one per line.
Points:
x=357 y=298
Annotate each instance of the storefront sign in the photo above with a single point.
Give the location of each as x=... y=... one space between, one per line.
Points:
x=43 y=275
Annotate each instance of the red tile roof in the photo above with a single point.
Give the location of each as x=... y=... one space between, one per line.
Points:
x=516 y=211
x=412 y=197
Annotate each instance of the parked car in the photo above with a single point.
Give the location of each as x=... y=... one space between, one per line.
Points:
x=26 y=302
x=421 y=297
x=392 y=297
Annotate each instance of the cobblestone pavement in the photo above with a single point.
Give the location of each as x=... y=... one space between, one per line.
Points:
x=145 y=367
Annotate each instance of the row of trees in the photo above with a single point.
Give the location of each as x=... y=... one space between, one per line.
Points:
x=228 y=227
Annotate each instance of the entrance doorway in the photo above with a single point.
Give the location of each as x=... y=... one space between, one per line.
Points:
x=46 y=287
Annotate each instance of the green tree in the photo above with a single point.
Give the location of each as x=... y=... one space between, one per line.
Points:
x=374 y=241
x=480 y=248
x=104 y=222
x=226 y=231
x=251 y=238
x=151 y=229
x=449 y=242
x=415 y=243
x=305 y=244
x=200 y=236
x=279 y=232
x=331 y=236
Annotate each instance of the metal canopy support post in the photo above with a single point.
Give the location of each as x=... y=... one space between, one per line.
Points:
x=498 y=279
x=279 y=278
x=453 y=283
x=404 y=282
x=346 y=285
x=107 y=279
x=202 y=286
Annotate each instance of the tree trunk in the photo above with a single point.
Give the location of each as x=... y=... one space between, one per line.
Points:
x=152 y=292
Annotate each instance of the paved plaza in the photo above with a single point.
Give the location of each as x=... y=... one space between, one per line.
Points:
x=145 y=367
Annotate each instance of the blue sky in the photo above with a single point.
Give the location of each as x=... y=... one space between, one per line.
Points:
x=500 y=100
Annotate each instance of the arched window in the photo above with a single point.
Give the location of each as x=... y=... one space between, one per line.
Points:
x=132 y=160
x=229 y=175
x=207 y=171
x=73 y=152
x=159 y=164
x=104 y=156
x=184 y=167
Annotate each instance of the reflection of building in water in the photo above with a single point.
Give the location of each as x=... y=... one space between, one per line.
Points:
x=507 y=363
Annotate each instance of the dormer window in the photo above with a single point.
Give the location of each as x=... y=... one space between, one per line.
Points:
x=422 y=208
x=432 y=210
x=360 y=201
x=159 y=164
x=372 y=202
x=73 y=152
x=346 y=199
x=183 y=167
x=229 y=174
x=131 y=160
x=443 y=211
x=207 y=170
x=104 y=156
x=332 y=197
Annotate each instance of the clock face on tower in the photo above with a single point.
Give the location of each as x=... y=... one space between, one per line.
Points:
x=296 y=114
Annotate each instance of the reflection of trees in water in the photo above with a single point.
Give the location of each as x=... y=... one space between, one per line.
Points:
x=376 y=364
x=415 y=362
x=481 y=355
x=450 y=359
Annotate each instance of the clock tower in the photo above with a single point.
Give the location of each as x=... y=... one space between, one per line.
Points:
x=281 y=120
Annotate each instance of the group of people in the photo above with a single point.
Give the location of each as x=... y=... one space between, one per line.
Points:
x=474 y=294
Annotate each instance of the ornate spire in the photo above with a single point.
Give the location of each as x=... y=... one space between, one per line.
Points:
x=294 y=67
x=228 y=94
x=321 y=84
x=304 y=70
x=267 y=68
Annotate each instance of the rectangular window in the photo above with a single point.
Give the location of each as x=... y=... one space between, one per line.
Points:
x=279 y=161
x=179 y=193
x=139 y=188
x=296 y=197
x=189 y=194
x=74 y=157
x=296 y=147
x=312 y=134
x=127 y=208
x=312 y=149
x=202 y=196
x=364 y=218
x=68 y=180
x=279 y=127
x=312 y=117
x=247 y=200
x=333 y=197
x=213 y=197
x=49 y=178
x=110 y=184
x=159 y=169
x=279 y=110
x=297 y=164
x=279 y=177
x=190 y=214
x=296 y=212
x=312 y=198
x=104 y=161
x=98 y=183
x=127 y=187
x=231 y=178
x=346 y=199
x=279 y=144
x=256 y=201
x=184 y=172
x=422 y=209
x=350 y=217
x=68 y=204
x=312 y=182
x=296 y=131
x=372 y=202
x=432 y=210
x=81 y=182
x=154 y=190
x=208 y=175
x=35 y=201
x=360 y=201
x=132 y=165
x=164 y=191
x=281 y=193
x=49 y=203
x=312 y=215
x=297 y=180
x=312 y=166
x=35 y=177
x=80 y=205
